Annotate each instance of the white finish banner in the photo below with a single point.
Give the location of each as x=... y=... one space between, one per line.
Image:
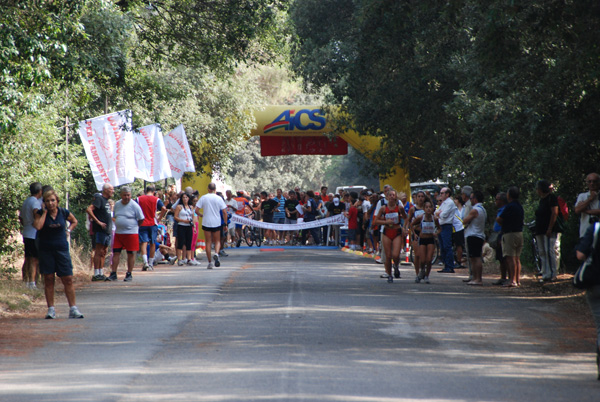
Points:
x=108 y=144
x=178 y=151
x=332 y=220
x=151 y=159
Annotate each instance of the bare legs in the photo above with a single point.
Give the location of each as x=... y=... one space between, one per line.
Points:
x=49 y=289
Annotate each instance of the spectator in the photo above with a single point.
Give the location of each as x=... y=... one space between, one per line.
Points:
x=291 y=213
x=336 y=207
x=243 y=207
x=231 y=209
x=465 y=195
x=417 y=209
x=279 y=215
x=310 y=215
x=213 y=206
x=587 y=204
x=458 y=233
x=54 y=257
x=501 y=202
x=352 y=216
x=511 y=221
x=150 y=204
x=445 y=215
x=128 y=216
x=30 y=207
x=184 y=215
x=475 y=232
x=100 y=213
x=583 y=250
x=546 y=228
x=268 y=207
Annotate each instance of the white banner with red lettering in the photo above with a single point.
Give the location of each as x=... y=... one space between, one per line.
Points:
x=108 y=144
x=332 y=220
x=178 y=151
x=151 y=160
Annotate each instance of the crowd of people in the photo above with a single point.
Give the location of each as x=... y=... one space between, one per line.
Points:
x=164 y=226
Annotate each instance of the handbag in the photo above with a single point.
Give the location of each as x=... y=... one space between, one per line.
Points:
x=587 y=274
x=493 y=240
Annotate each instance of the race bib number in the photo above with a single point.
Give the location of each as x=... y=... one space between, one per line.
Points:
x=393 y=216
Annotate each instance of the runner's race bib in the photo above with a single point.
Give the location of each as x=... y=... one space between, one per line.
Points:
x=393 y=216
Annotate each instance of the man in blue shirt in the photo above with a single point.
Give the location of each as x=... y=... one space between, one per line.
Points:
x=279 y=215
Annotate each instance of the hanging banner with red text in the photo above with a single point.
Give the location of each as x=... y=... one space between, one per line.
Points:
x=108 y=144
x=178 y=152
x=272 y=146
x=151 y=159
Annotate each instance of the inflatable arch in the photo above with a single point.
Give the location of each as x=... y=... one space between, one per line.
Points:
x=307 y=121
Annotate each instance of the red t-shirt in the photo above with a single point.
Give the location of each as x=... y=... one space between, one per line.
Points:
x=149 y=204
x=353 y=218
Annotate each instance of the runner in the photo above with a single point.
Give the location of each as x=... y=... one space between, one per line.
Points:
x=389 y=217
x=428 y=227
x=213 y=206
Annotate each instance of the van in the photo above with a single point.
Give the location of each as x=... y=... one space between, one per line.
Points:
x=431 y=186
x=357 y=189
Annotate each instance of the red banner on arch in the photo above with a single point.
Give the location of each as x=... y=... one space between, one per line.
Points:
x=315 y=145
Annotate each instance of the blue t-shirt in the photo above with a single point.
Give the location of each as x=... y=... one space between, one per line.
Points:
x=497 y=227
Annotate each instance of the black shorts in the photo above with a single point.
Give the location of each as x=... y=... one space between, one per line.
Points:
x=267 y=218
x=426 y=241
x=53 y=261
x=499 y=256
x=475 y=246
x=31 y=250
x=458 y=238
x=215 y=229
x=184 y=237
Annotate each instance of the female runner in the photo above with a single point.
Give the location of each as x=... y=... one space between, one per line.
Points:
x=389 y=216
x=414 y=212
x=429 y=227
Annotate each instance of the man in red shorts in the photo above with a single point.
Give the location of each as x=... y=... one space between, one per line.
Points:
x=128 y=216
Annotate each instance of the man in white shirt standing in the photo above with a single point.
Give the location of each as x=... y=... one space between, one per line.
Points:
x=31 y=204
x=445 y=216
x=587 y=203
x=213 y=208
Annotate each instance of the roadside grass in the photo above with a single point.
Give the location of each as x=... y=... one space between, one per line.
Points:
x=16 y=298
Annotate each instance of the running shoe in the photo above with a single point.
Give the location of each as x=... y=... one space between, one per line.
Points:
x=396 y=271
x=75 y=313
x=193 y=263
x=238 y=243
x=390 y=279
x=112 y=277
x=181 y=262
x=217 y=261
x=51 y=314
x=222 y=253
x=145 y=267
x=172 y=260
x=417 y=279
x=128 y=277
x=209 y=266
x=98 y=278
x=426 y=279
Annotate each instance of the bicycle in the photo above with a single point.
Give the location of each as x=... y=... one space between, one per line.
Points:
x=252 y=235
x=537 y=260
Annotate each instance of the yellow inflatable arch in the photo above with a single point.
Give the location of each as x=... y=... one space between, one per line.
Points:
x=308 y=121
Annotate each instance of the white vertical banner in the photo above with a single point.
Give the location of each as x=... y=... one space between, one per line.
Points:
x=151 y=160
x=108 y=144
x=178 y=151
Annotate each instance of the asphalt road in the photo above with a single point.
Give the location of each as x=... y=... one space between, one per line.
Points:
x=301 y=325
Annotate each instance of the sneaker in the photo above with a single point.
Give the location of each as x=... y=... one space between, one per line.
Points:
x=145 y=267
x=500 y=282
x=193 y=263
x=75 y=313
x=32 y=286
x=150 y=267
x=128 y=277
x=396 y=271
x=172 y=260
x=390 y=279
x=112 y=277
x=217 y=262
x=209 y=266
x=417 y=279
x=426 y=279
x=181 y=263
x=238 y=243
x=222 y=253
x=421 y=274
x=446 y=271
x=98 y=278
x=51 y=314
